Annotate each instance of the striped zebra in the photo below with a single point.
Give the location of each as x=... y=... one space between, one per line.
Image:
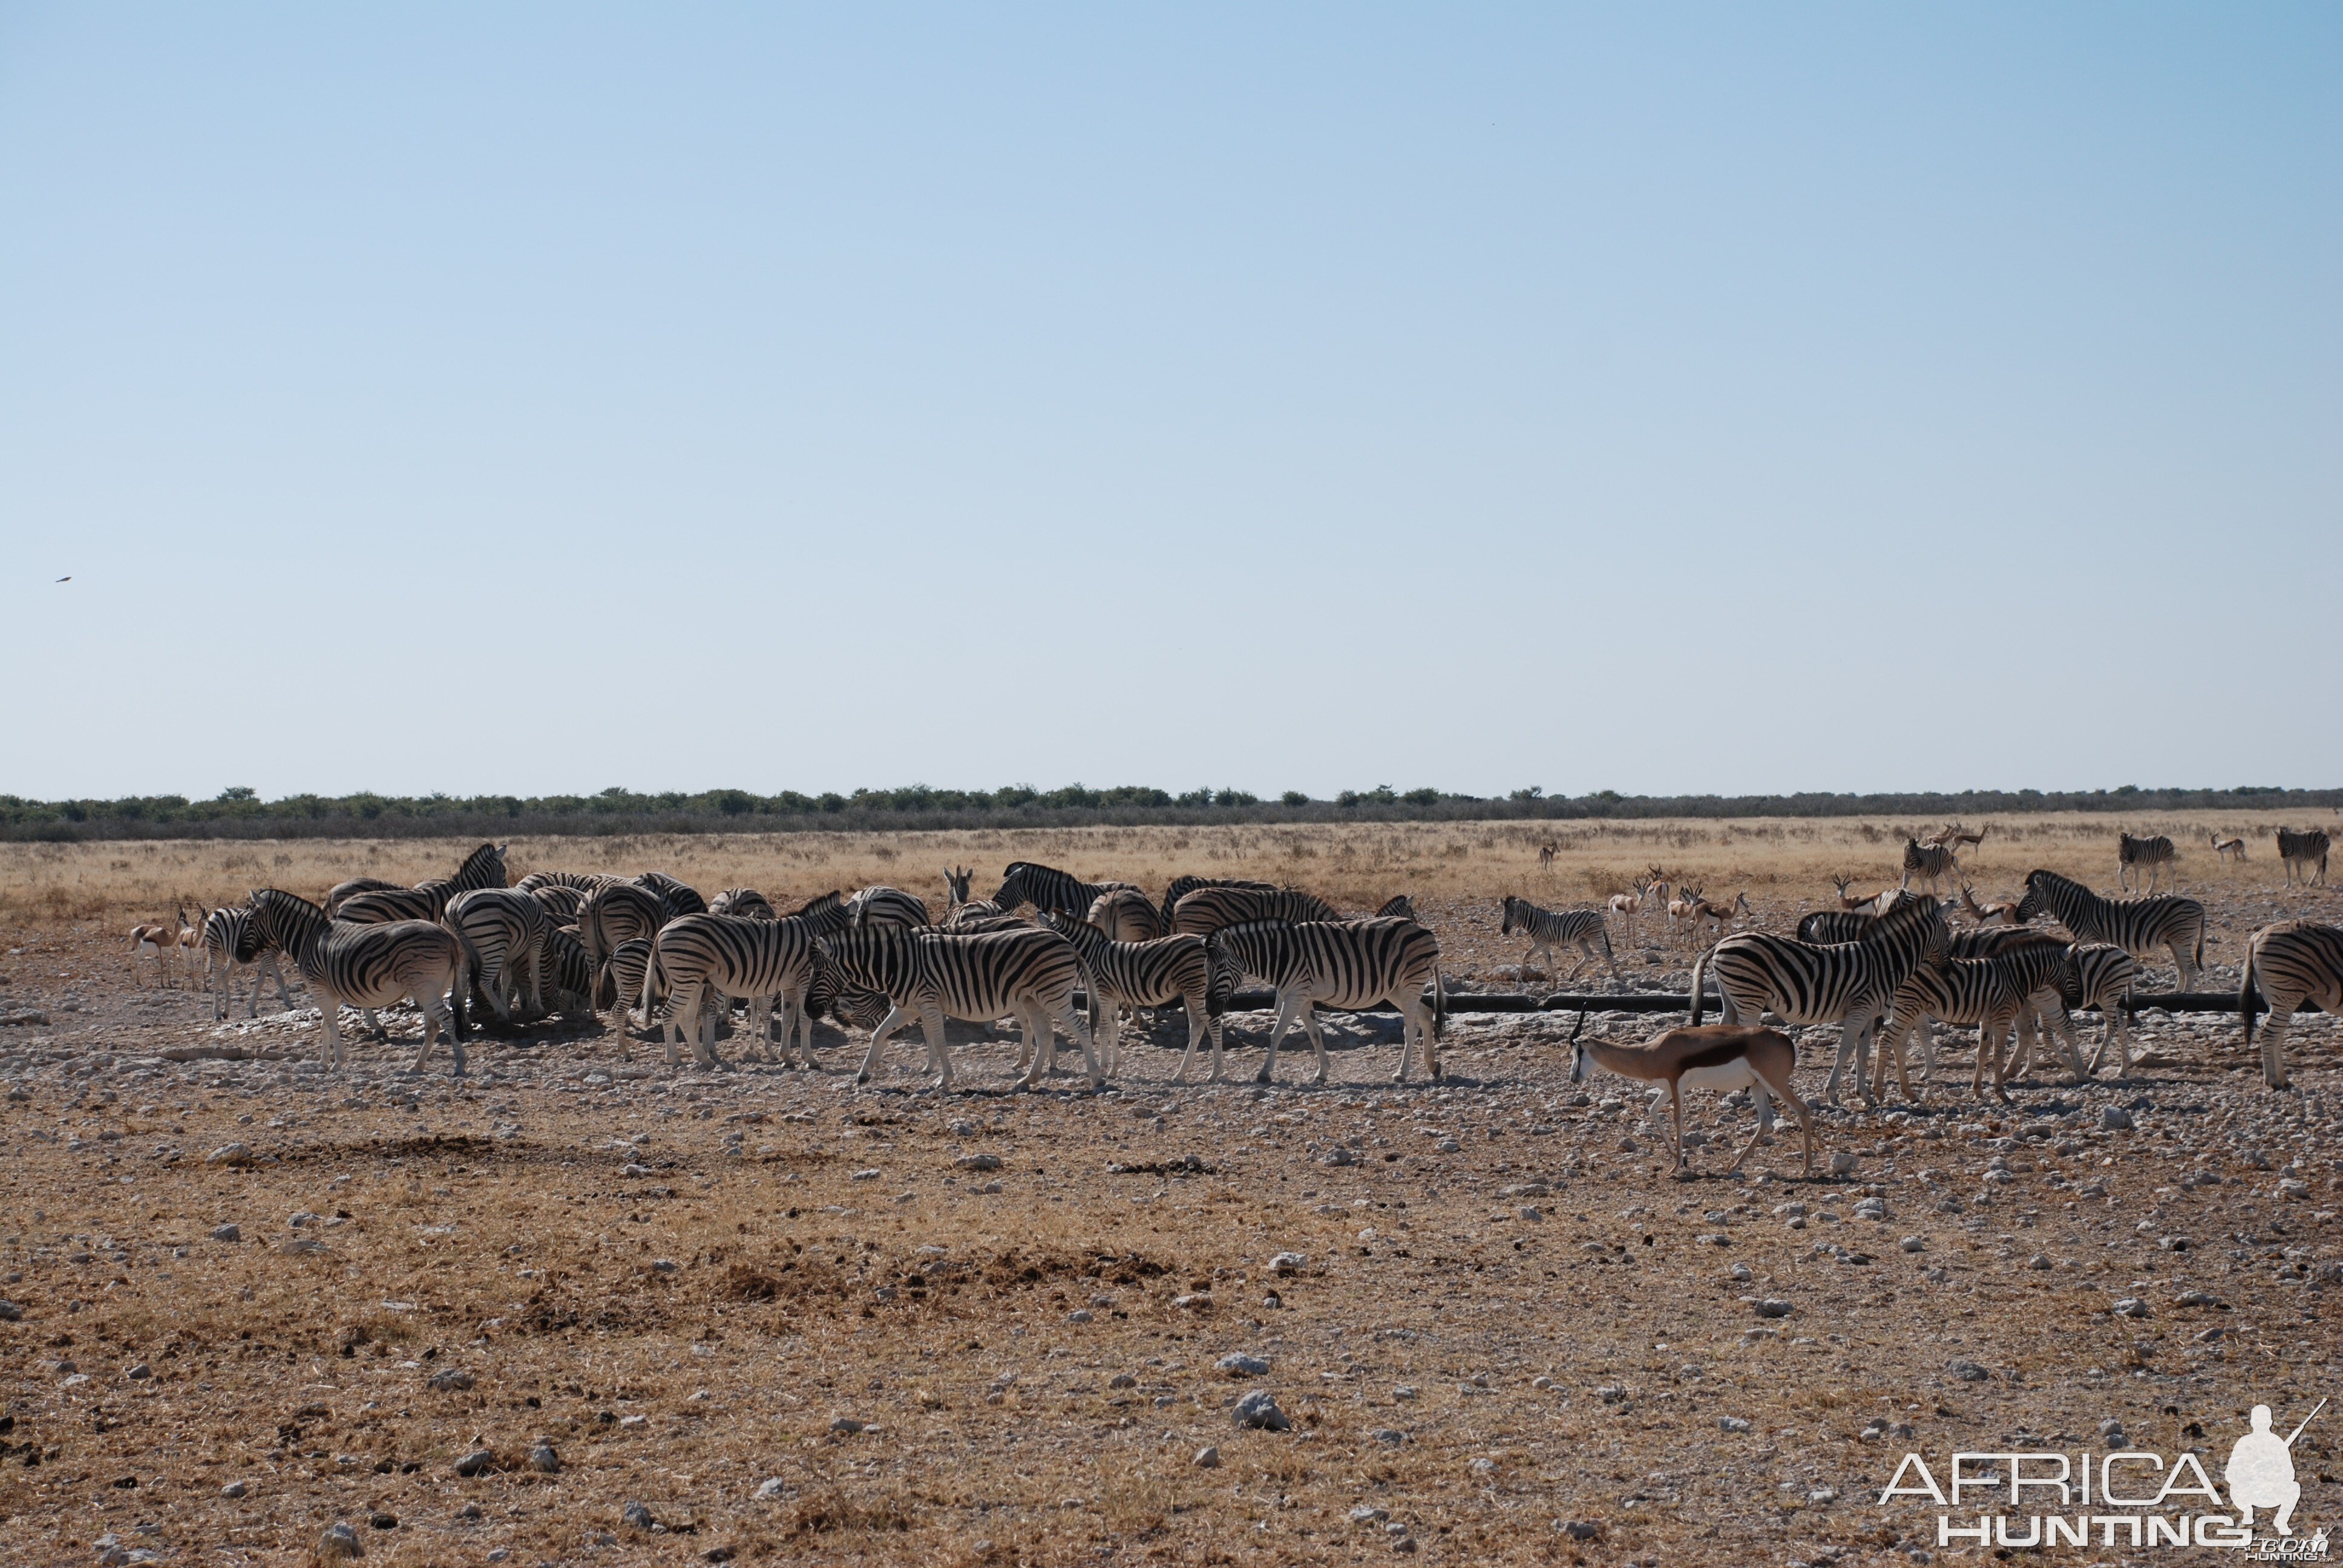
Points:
x=2304 y=855
x=1850 y=984
x=929 y=975
x=1550 y=930
x=1345 y=964
x=560 y=902
x=1150 y=973
x=984 y=915
x=427 y=900
x=2291 y=962
x=2136 y=855
x=230 y=941
x=1997 y=994
x=1126 y=915
x=734 y=956
x=2138 y=926
x=370 y=966
x=504 y=930
x=342 y=892
x=2100 y=975
x=1825 y=927
x=566 y=973
x=747 y=902
x=678 y=898
x=620 y=912
x=1046 y=887
x=825 y=912
x=1398 y=906
x=1206 y=910
x=1930 y=863
x=887 y=907
x=1182 y=886
x=582 y=881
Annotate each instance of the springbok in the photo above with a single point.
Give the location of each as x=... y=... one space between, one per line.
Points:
x=2227 y=848
x=1546 y=852
x=159 y=943
x=1683 y=908
x=1721 y=1056
x=1955 y=837
x=1875 y=902
x=1987 y=914
x=1719 y=915
x=1624 y=906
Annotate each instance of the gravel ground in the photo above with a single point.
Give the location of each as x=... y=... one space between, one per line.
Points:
x=667 y=1316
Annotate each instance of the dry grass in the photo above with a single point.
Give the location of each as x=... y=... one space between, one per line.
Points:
x=1356 y=866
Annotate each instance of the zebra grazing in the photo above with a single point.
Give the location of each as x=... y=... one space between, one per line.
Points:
x=678 y=898
x=734 y=956
x=2292 y=961
x=1147 y=973
x=620 y=912
x=1125 y=915
x=2304 y=854
x=231 y=940
x=582 y=881
x=1182 y=886
x=559 y=901
x=342 y=892
x=1398 y=906
x=427 y=900
x=2136 y=855
x=1046 y=887
x=1550 y=929
x=505 y=931
x=1930 y=862
x=1206 y=910
x=825 y=912
x=1028 y=974
x=1850 y=984
x=885 y=906
x=1345 y=964
x=1997 y=994
x=370 y=966
x=2100 y=975
x=1825 y=927
x=566 y=973
x=746 y=902
x=2138 y=926
x=984 y=915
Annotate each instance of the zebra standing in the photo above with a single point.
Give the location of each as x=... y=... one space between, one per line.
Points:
x=2292 y=961
x=1151 y=973
x=1182 y=886
x=2304 y=855
x=2134 y=855
x=2138 y=926
x=1046 y=887
x=1343 y=964
x=342 y=892
x=231 y=940
x=1549 y=931
x=370 y=966
x=678 y=898
x=1850 y=984
x=733 y=955
x=744 y=901
x=1996 y=991
x=620 y=912
x=582 y=881
x=1029 y=974
x=1929 y=862
x=2100 y=975
x=887 y=907
x=427 y=900
x=1206 y=910
x=504 y=930
x=1125 y=915
x=560 y=902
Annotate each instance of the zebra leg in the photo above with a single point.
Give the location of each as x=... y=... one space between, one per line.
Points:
x=1285 y=1002
x=1040 y=1055
x=1529 y=954
x=683 y=1002
x=332 y=1012
x=1196 y=1033
x=374 y=1024
x=2181 y=961
x=931 y=1024
x=1585 y=957
x=2281 y=1014
x=896 y=1016
x=1072 y=1023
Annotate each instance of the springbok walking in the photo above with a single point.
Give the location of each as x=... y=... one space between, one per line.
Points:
x=1720 y=1056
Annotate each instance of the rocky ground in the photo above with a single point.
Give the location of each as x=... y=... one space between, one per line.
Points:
x=580 y=1310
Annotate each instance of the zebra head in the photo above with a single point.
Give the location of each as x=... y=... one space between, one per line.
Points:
x=286 y=920
x=1515 y=911
x=1397 y=906
x=2047 y=893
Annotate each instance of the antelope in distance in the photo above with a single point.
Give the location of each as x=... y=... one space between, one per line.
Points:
x=1955 y=837
x=2153 y=855
x=1684 y=907
x=1546 y=852
x=1719 y=916
x=1624 y=906
x=2227 y=848
x=158 y=943
x=1721 y=1056
x=1987 y=914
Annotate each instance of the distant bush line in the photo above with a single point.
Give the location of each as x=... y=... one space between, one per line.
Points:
x=240 y=814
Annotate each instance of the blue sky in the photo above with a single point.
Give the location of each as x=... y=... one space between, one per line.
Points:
x=1660 y=398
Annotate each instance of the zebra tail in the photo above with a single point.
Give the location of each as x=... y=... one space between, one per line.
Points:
x=2246 y=998
x=1439 y=1005
x=1699 y=967
x=467 y=979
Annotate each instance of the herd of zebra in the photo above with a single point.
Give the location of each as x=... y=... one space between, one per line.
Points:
x=651 y=952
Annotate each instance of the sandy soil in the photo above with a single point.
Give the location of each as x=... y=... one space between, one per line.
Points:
x=1510 y=1334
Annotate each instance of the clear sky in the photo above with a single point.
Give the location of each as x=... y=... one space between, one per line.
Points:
x=1661 y=398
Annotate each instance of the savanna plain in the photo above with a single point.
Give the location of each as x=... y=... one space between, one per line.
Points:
x=581 y=1306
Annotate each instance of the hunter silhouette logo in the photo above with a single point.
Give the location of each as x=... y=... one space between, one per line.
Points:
x=2261 y=1471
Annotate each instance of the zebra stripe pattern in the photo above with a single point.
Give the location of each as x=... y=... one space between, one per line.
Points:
x=621 y=912
x=427 y=900
x=559 y=903
x=342 y=892
x=2304 y=855
x=1207 y=909
x=2291 y=962
x=678 y=898
x=738 y=957
x=1125 y=915
x=1347 y=964
x=1927 y=863
x=2138 y=926
x=1182 y=886
x=887 y=907
x=1028 y=974
x=231 y=940
x=582 y=881
x=1825 y=927
x=504 y=930
x=2100 y=975
x=1550 y=929
x=1997 y=992
x=1151 y=973
x=370 y=966
x=746 y=902
x=1046 y=887
x=2134 y=855
x=1848 y=983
